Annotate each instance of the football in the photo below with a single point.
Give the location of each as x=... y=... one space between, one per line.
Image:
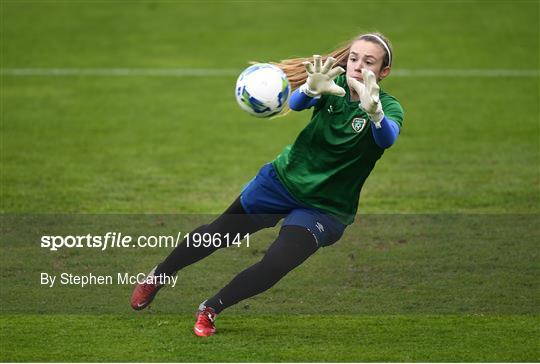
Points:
x=262 y=90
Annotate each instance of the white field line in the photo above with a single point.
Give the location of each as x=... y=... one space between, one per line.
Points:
x=222 y=72
x=168 y=72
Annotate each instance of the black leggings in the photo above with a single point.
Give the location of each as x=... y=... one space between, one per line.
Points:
x=293 y=246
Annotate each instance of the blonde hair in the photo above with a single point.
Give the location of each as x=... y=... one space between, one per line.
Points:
x=296 y=72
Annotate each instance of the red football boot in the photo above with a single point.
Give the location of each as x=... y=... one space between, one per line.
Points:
x=205 y=321
x=144 y=293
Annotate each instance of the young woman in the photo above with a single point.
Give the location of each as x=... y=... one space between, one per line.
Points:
x=314 y=185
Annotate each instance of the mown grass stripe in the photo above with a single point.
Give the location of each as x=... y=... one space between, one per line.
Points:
x=213 y=72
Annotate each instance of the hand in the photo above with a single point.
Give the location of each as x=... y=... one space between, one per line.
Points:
x=320 y=79
x=369 y=96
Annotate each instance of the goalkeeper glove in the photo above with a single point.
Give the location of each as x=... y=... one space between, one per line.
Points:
x=369 y=96
x=321 y=77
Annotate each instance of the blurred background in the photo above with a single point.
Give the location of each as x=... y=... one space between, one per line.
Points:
x=79 y=136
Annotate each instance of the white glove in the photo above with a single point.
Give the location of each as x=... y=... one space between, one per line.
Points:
x=369 y=96
x=320 y=79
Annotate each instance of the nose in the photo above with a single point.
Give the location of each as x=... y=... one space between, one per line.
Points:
x=358 y=66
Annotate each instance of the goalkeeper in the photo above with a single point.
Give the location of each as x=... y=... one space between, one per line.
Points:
x=314 y=185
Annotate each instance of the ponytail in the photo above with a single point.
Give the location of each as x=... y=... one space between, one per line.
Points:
x=296 y=72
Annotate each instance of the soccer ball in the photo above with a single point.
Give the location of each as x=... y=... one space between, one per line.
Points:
x=262 y=90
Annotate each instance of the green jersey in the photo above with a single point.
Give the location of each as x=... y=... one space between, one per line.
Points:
x=334 y=154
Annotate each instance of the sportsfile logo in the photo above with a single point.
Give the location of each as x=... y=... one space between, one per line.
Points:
x=121 y=240
x=108 y=240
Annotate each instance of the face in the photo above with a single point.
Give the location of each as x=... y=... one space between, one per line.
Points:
x=366 y=54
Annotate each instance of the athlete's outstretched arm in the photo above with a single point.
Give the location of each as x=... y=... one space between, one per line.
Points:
x=300 y=101
x=386 y=134
x=320 y=81
x=368 y=92
x=386 y=130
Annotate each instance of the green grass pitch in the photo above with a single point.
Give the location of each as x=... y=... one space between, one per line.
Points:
x=454 y=278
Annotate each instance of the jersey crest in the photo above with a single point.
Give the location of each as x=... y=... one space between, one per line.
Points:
x=358 y=124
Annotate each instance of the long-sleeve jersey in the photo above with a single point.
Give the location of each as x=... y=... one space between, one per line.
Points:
x=334 y=154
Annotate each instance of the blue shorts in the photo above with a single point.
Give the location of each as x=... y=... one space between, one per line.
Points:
x=268 y=201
